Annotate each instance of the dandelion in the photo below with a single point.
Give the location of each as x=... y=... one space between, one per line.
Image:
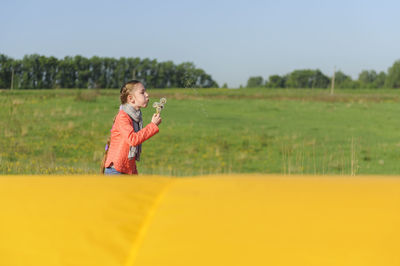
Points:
x=159 y=105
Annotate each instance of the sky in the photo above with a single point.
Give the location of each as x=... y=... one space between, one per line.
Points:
x=230 y=40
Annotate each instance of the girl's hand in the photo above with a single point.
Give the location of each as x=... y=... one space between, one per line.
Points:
x=156 y=119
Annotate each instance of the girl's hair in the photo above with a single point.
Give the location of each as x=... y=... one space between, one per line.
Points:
x=125 y=90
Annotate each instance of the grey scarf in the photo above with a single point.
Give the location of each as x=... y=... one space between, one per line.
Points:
x=136 y=116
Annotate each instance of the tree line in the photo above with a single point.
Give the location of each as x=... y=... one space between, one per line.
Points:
x=41 y=72
x=307 y=78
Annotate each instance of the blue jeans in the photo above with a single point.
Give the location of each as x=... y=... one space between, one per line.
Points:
x=111 y=171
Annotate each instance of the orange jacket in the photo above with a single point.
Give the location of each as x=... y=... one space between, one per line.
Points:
x=122 y=137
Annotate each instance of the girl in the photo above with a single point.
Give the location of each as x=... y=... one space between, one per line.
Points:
x=127 y=134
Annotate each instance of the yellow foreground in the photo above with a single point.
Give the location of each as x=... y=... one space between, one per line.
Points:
x=215 y=220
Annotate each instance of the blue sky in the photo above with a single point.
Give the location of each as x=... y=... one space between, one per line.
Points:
x=231 y=40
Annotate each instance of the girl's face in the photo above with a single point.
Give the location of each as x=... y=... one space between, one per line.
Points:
x=139 y=97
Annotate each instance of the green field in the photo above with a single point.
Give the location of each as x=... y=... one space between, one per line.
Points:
x=207 y=131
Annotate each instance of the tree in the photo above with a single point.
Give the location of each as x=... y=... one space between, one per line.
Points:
x=96 y=69
x=50 y=67
x=319 y=80
x=81 y=66
x=66 y=75
x=343 y=81
x=121 y=72
x=255 y=82
x=379 y=82
x=393 y=76
x=5 y=71
x=299 y=79
x=16 y=65
x=276 y=81
x=367 y=78
x=187 y=76
x=307 y=78
x=165 y=75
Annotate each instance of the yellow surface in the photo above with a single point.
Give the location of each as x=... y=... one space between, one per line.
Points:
x=73 y=220
x=226 y=220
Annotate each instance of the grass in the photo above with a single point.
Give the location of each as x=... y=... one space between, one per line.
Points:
x=207 y=131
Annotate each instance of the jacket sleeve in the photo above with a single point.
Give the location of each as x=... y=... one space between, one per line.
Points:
x=136 y=138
